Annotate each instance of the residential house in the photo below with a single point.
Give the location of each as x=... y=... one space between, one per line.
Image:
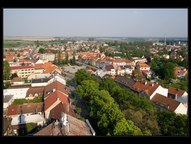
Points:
x=53 y=99
x=180 y=72
x=124 y=81
x=140 y=60
x=163 y=102
x=110 y=69
x=47 y=56
x=56 y=85
x=129 y=69
x=149 y=89
x=178 y=94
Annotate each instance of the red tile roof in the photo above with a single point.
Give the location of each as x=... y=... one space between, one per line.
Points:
x=174 y=91
x=26 y=108
x=50 y=100
x=48 y=67
x=52 y=97
x=148 y=87
x=21 y=67
x=55 y=85
x=169 y=103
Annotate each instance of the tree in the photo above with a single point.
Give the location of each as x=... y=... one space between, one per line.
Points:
x=66 y=57
x=81 y=75
x=74 y=58
x=18 y=55
x=172 y=124
x=167 y=71
x=126 y=128
x=6 y=85
x=14 y=75
x=6 y=70
x=41 y=50
x=87 y=88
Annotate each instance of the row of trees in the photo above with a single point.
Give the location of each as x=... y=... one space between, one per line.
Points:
x=119 y=111
x=59 y=61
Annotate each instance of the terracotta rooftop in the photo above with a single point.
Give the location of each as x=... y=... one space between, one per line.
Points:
x=76 y=127
x=174 y=91
x=33 y=90
x=21 y=67
x=148 y=87
x=169 y=103
x=55 y=85
x=143 y=65
x=25 y=108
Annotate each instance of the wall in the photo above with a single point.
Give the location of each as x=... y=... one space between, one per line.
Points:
x=160 y=90
x=181 y=109
x=39 y=84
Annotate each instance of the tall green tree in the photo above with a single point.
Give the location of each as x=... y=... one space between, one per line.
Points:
x=74 y=58
x=6 y=70
x=66 y=57
x=41 y=51
x=81 y=75
x=167 y=71
x=172 y=124
x=126 y=128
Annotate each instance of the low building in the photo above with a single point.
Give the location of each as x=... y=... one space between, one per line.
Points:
x=68 y=126
x=19 y=93
x=110 y=69
x=17 y=81
x=24 y=119
x=25 y=109
x=178 y=94
x=22 y=71
x=180 y=72
x=33 y=92
x=165 y=103
x=47 y=56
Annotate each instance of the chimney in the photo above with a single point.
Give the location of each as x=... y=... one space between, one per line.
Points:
x=145 y=82
x=152 y=84
x=176 y=96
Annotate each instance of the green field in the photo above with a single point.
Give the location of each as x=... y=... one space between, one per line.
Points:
x=16 y=43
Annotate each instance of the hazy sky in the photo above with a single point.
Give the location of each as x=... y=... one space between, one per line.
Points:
x=96 y=22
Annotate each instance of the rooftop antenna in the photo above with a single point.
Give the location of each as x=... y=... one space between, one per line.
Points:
x=164 y=39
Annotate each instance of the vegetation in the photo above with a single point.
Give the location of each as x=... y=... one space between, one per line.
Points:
x=22 y=101
x=41 y=51
x=14 y=75
x=172 y=124
x=6 y=70
x=16 y=43
x=6 y=84
x=119 y=111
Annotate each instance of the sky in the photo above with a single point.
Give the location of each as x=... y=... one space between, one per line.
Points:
x=96 y=22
